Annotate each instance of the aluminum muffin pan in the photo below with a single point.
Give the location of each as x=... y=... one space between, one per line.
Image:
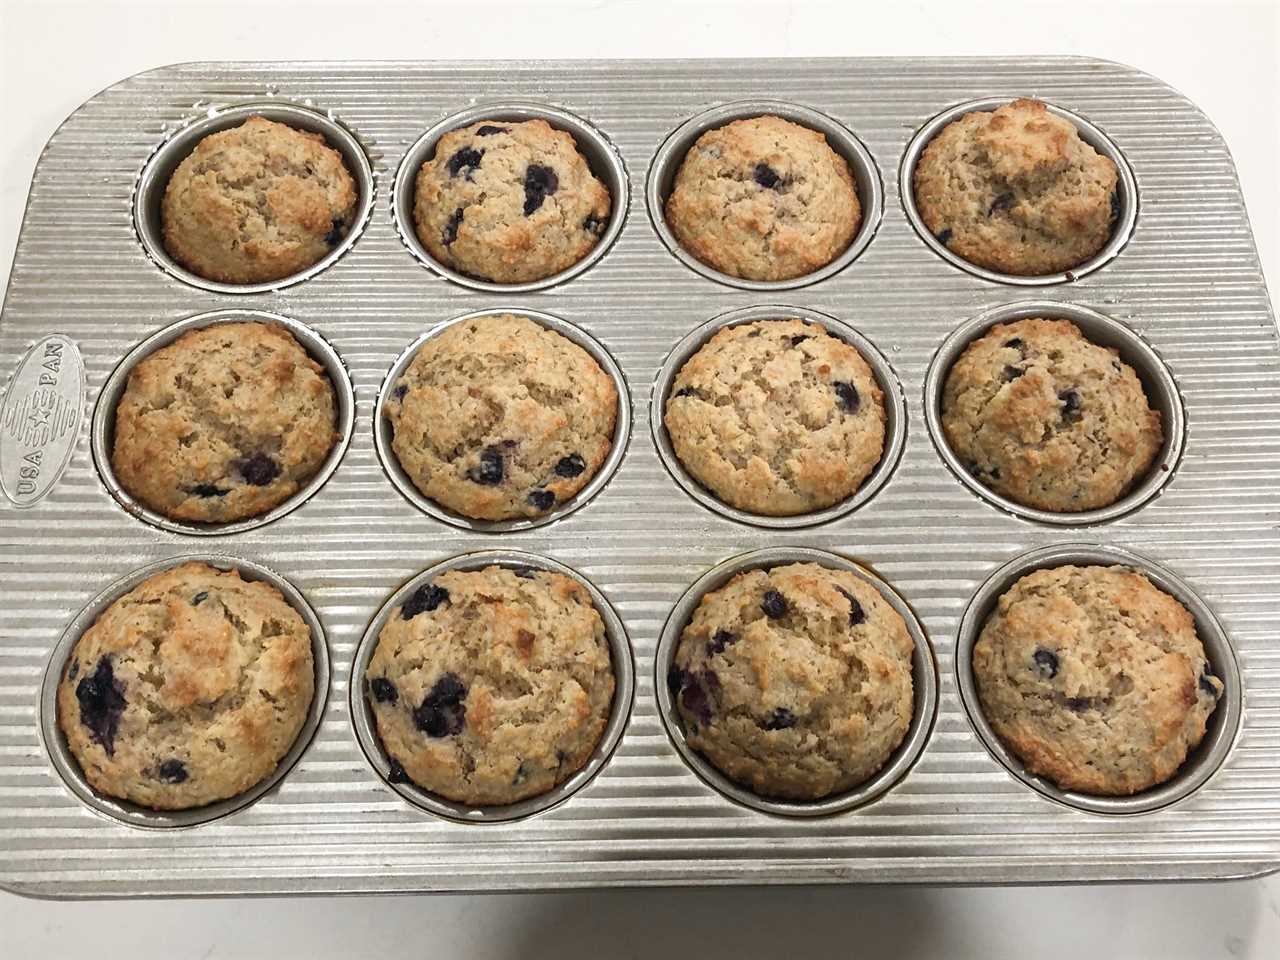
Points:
x=895 y=410
x=924 y=677
x=102 y=436
x=667 y=161
x=131 y=813
x=1126 y=194
x=599 y=153
x=1157 y=381
x=160 y=166
x=1187 y=284
x=623 y=693
x=383 y=432
x=1223 y=725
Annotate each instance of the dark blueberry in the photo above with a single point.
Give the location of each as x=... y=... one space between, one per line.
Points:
x=1115 y=204
x=490 y=471
x=945 y=236
x=259 y=469
x=488 y=130
x=396 y=774
x=173 y=771
x=994 y=474
x=718 y=642
x=101 y=699
x=425 y=599
x=208 y=490
x=799 y=339
x=539 y=183
x=1046 y=663
x=524 y=573
x=685 y=392
x=675 y=679
x=74 y=671
x=780 y=719
x=200 y=598
x=400 y=391
x=1070 y=405
x=593 y=224
x=542 y=499
x=383 y=690
x=1012 y=373
x=570 y=466
x=1078 y=703
x=465 y=159
x=766 y=176
x=856 y=614
x=774 y=604
x=848 y=395
x=1002 y=202
x=443 y=712
x=1205 y=685
x=335 y=234
x=450 y=231
x=695 y=699
x=1014 y=342
x=522 y=772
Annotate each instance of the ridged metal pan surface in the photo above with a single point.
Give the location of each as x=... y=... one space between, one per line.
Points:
x=1187 y=282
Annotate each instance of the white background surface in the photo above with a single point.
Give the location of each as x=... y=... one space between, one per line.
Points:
x=1224 y=56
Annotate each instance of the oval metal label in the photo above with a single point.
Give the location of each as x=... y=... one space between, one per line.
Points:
x=40 y=419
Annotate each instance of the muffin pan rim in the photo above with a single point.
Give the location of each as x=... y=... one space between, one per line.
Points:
x=895 y=409
x=1152 y=370
x=868 y=180
x=1222 y=730
x=134 y=815
x=925 y=678
x=153 y=178
x=622 y=661
x=622 y=426
x=102 y=425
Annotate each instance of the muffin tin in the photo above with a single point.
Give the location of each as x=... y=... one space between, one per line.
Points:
x=1179 y=286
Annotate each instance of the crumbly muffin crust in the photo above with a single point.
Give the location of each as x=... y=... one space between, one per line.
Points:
x=187 y=690
x=796 y=681
x=491 y=686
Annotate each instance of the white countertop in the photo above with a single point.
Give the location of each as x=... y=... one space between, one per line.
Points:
x=1224 y=56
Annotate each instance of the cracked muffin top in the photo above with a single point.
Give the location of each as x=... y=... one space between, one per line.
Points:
x=1043 y=416
x=1095 y=678
x=764 y=199
x=498 y=417
x=491 y=686
x=1017 y=191
x=257 y=202
x=795 y=681
x=777 y=417
x=188 y=689
x=223 y=424
x=509 y=202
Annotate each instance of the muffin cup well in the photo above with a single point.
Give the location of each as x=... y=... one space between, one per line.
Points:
x=383 y=433
x=1157 y=382
x=148 y=191
x=666 y=164
x=366 y=727
x=130 y=813
x=1126 y=191
x=1224 y=722
x=924 y=680
x=601 y=156
x=895 y=410
x=102 y=434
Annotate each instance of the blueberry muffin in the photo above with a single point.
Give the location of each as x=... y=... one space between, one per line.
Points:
x=256 y=203
x=187 y=690
x=1017 y=191
x=1046 y=418
x=491 y=686
x=1095 y=679
x=777 y=417
x=794 y=682
x=499 y=417
x=509 y=202
x=764 y=199
x=224 y=423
